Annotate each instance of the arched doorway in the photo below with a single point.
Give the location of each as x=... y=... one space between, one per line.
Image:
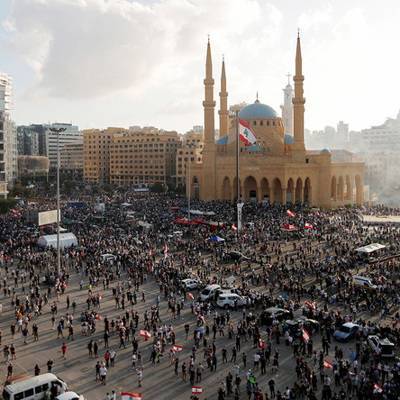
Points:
x=333 y=189
x=340 y=191
x=226 y=189
x=250 y=189
x=277 y=189
x=195 y=188
x=265 y=191
x=299 y=191
x=290 y=192
x=359 y=190
x=307 y=191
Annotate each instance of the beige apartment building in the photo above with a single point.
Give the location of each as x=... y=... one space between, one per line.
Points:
x=71 y=157
x=192 y=148
x=96 y=154
x=138 y=156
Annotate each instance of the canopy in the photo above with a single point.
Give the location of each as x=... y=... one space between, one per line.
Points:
x=216 y=239
x=370 y=248
x=66 y=240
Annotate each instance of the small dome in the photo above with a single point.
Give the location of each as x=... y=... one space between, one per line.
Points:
x=223 y=140
x=289 y=139
x=324 y=151
x=257 y=110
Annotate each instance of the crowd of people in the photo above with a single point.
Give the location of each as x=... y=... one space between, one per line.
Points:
x=138 y=240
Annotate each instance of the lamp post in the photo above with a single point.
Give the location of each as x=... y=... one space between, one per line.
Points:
x=58 y=131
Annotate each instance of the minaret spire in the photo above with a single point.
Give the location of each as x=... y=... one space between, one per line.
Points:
x=223 y=103
x=298 y=103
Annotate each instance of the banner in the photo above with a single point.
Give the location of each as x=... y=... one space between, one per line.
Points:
x=47 y=217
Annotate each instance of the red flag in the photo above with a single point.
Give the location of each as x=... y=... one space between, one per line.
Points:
x=145 y=334
x=197 y=390
x=190 y=296
x=327 y=364
x=177 y=348
x=308 y=226
x=310 y=304
x=290 y=213
x=306 y=336
x=246 y=134
x=261 y=344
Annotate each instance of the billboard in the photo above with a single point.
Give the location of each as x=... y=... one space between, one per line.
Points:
x=48 y=217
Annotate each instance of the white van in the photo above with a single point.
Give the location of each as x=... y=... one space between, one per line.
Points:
x=208 y=292
x=363 y=281
x=70 y=396
x=34 y=388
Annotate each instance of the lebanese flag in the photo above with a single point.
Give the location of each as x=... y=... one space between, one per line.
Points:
x=190 y=296
x=261 y=344
x=131 y=396
x=234 y=227
x=197 y=390
x=306 y=336
x=145 y=334
x=290 y=213
x=177 y=348
x=308 y=226
x=327 y=364
x=246 y=134
x=377 y=388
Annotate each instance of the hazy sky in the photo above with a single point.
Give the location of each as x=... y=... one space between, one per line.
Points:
x=101 y=63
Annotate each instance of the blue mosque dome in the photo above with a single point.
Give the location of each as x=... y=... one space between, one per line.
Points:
x=289 y=139
x=325 y=151
x=257 y=110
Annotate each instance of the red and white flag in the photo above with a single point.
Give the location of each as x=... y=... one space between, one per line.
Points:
x=327 y=364
x=306 y=336
x=234 y=227
x=197 y=390
x=131 y=396
x=145 y=334
x=190 y=296
x=177 y=348
x=290 y=213
x=246 y=134
x=310 y=304
x=377 y=388
x=308 y=226
x=166 y=249
x=261 y=344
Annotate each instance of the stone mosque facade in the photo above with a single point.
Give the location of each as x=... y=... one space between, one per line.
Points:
x=278 y=168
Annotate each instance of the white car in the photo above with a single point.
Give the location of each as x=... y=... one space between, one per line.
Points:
x=359 y=280
x=208 y=292
x=191 y=284
x=382 y=347
x=70 y=396
x=228 y=300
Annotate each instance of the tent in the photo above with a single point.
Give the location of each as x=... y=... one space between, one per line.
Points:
x=216 y=239
x=370 y=248
x=66 y=240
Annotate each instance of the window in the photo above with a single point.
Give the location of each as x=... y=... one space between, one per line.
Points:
x=38 y=389
x=28 y=393
x=19 y=396
x=254 y=123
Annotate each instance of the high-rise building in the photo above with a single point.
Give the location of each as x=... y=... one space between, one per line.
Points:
x=8 y=136
x=71 y=157
x=287 y=108
x=143 y=157
x=96 y=154
x=70 y=135
x=28 y=141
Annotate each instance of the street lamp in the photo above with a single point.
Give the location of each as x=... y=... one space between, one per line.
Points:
x=58 y=131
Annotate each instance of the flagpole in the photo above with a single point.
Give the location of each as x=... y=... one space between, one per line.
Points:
x=237 y=174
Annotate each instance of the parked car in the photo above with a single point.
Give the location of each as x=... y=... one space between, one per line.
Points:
x=346 y=332
x=229 y=300
x=294 y=326
x=382 y=347
x=209 y=292
x=191 y=284
x=271 y=313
